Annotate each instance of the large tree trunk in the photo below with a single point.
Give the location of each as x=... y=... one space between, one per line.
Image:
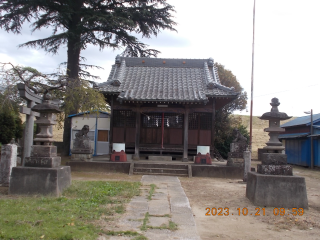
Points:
x=73 y=73
x=72 y=70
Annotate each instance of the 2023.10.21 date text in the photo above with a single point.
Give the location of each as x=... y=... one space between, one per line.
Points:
x=258 y=212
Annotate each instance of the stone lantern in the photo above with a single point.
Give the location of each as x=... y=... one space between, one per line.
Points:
x=42 y=173
x=273 y=185
x=274 y=162
x=44 y=154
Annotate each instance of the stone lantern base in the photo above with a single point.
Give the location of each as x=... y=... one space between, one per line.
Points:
x=39 y=180
x=277 y=191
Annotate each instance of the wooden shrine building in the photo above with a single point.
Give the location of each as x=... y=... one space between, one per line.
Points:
x=164 y=106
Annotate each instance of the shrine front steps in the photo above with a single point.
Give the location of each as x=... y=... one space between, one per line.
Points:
x=179 y=170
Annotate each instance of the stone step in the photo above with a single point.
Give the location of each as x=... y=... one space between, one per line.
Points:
x=163 y=174
x=160 y=165
x=160 y=158
x=160 y=170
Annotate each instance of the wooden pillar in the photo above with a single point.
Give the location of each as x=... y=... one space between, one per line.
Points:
x=111 y=127
x=213 y=126
x=185 y=138
x=137 y=142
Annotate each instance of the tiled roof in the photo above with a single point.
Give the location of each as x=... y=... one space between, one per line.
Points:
x=168 y=80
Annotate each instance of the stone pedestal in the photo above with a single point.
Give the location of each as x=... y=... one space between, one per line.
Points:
x=39 y=180
x=84 y=155
x=81 y=157
x=235 y=156
x=8 y=161
x=274 y=164
x=277 y=191
x=43 y=156
x=238 y=147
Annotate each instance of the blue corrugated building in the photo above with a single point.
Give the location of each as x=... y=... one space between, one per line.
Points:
x=297 y=140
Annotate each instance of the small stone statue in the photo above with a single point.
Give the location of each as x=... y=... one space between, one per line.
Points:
x=82 y=150
x=238 y=137
x=82 y=140
x=237 y=147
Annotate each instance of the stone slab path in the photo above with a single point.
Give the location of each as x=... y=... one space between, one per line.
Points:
x=157 y=218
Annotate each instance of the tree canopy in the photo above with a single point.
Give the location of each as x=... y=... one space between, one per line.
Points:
x=228 y=79
x=78 y=23
x=104 y=23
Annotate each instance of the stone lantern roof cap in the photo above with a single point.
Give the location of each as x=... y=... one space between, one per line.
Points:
x=46 y=107
x=274 y=114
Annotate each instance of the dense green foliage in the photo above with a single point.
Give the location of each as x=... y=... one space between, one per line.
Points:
x=224 y=122
x=227 y=78
x=7 y=128
x=72 y=216
x=224 y=145
x=10 y=122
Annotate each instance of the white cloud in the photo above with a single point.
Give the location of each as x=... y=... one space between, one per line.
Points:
x=287 y=47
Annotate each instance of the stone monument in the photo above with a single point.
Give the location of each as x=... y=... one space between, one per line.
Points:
x=237 y=147
x=274 y=184
x=8 y=161
x=42 y=173
x=82 y=150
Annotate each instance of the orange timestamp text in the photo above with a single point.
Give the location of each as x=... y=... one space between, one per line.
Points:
x=257 y=212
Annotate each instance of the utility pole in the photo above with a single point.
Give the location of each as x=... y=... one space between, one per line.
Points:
x=311 y=139
x=252 y=70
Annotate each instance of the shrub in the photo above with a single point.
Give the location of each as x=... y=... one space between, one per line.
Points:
x=11 y=127
x=224 y=128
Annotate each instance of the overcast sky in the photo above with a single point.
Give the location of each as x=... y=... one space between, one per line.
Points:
x=287 y=48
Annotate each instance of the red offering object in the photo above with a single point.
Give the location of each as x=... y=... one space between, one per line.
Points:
x=203 y=159
x=118 y=156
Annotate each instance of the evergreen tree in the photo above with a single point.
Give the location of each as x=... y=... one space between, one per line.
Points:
x=224 y=121
x=77 y=23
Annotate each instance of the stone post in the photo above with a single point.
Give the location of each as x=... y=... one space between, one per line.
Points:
x=247 y=164
x=28 y=133
x=8 y=161
x=32 y=99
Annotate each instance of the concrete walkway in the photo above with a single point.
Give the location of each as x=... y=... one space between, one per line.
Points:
x=169 y=206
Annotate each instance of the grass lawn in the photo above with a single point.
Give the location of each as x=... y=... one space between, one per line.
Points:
x=71 y=216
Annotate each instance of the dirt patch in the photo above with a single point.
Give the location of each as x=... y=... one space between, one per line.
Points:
x=229 y=193
x=212 y=193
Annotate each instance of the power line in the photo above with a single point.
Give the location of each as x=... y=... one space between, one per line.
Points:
x=289 y=90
